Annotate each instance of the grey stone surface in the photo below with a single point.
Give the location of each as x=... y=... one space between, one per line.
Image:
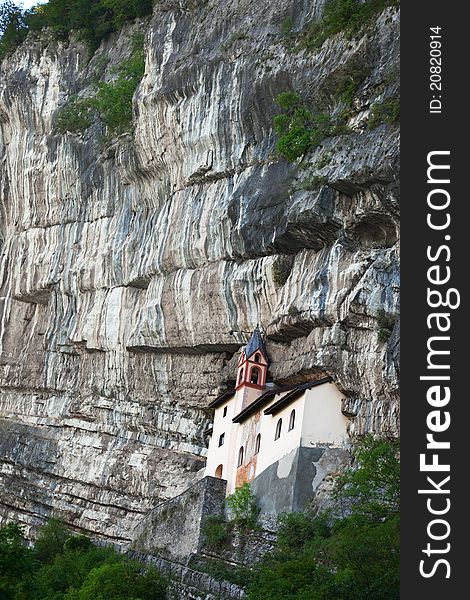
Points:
x=175 y=527
x=129 y=272
x=291 y=483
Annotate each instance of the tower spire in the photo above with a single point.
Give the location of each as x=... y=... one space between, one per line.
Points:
x=253 y=363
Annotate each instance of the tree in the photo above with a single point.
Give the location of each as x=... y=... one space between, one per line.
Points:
x=355 y=557
x=243 y=506
x=124 y=580
x=51 y=540
x=13 y=28
x=373 y=488
x=16 y=560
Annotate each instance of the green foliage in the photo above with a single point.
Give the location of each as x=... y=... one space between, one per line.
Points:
x=63 y=566
x=298 y=129
x=113 y=100
x=216 y=532
x=348 y=16
x=387 y=111
x=374 y=487
x=298 y=578
x=385 y=324
x=223 y=571
x=296 y=529
x=94 y=20
x=51 y=540
x=350 y=558
x=13 y=28
x=243 y=506
x=347 y=87
x=76 y=116
x=124 y=580
x=312 y=182
x=16 y=560
x=281 y=269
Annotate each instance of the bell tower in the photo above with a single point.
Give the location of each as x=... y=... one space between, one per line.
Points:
x=252 y=369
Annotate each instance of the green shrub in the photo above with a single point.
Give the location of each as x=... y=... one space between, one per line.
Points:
x=281 y=269
x=123 y=580
x=76 y=116
x=373 y=487
x=312 y=182
x=296 y=529
x=299 y=130
x=113 y=100
x=387 y=111
x=223 y=571
x=348 y=16
x=216 y=532
x=385 y=324
x=243 y=506
x=293 y=311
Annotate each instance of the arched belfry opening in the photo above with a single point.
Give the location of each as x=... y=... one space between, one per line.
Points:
x=255 y=375
x=219 y=472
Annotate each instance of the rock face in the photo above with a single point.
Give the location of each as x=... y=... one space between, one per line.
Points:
x=131 y=272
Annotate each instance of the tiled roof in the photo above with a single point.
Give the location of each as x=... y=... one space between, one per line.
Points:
x=221 y=399
x=260 y=402
x=293 y=394
x=255 y=343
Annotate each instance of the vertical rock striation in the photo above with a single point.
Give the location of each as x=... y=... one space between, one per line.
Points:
x=130 y=271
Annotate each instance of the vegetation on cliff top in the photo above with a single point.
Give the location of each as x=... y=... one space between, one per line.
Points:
x=112 y=102
x=94 y=20
x=62 y=566
x=347 y=16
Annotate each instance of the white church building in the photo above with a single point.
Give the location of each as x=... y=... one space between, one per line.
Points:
x=284 y=440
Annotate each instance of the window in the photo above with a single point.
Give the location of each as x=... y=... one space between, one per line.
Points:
x=254 y=375
x=241 y=377
x=240 y=457
x=258 y=443
x=292 y=420
x=225 y=411
x=278 y=429
x=257 y=358
x=218 y=471
x=222 y=439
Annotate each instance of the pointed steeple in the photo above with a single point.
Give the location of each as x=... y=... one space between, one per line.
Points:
x=256 y=343
x=253 y=364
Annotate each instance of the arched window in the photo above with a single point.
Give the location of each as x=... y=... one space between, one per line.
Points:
x=241 y=376
x=258 y=443
x=278 y=429
x=292 y=420
x=257 y=358
x=240 y=457
x=218 y=471
x=254 y=375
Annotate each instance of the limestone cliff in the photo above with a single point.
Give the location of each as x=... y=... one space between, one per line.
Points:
x=131 y=270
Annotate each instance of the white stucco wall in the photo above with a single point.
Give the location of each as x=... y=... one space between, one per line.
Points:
x=318 y=422
x=271 y=449
x=323 y=422
x=220 y=455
